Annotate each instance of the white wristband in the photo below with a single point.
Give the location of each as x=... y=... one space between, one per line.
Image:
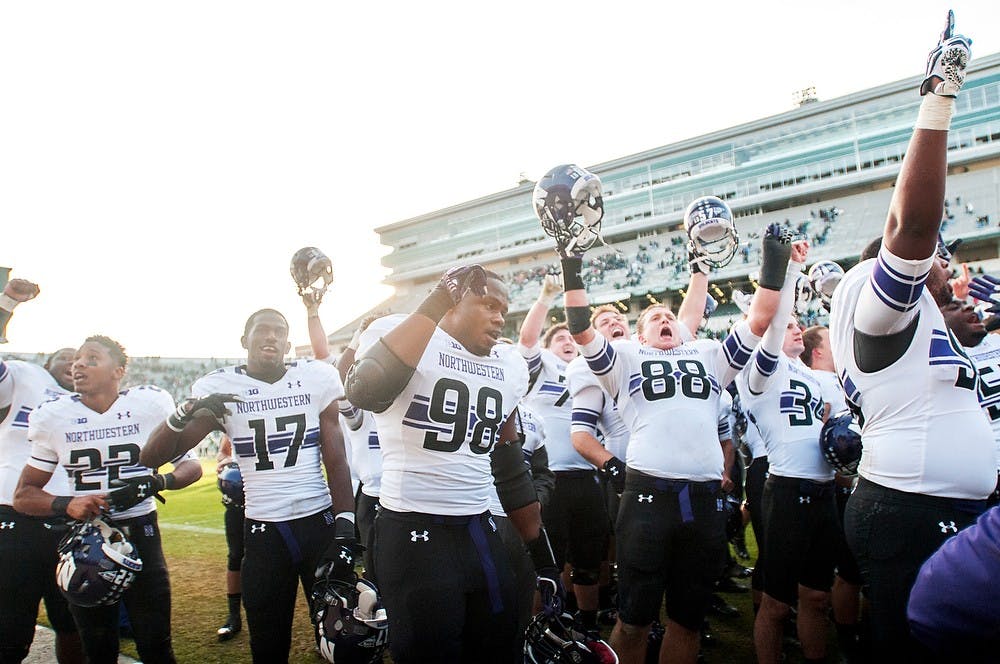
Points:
x=7 y=302
x=935 y=113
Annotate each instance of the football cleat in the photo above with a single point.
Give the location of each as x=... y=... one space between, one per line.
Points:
x=312 y=272
x=97 y=564
x=569 y=204
x=947 y=62
x=711 y=231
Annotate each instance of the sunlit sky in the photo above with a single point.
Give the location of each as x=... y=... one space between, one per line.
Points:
x=161 y=162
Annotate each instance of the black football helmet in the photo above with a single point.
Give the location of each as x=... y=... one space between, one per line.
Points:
x=557 y=640
x=351 y=624
x=312 y=272
x=569 y=204
x=96 y=563
x=840 y=441
x=230 y=483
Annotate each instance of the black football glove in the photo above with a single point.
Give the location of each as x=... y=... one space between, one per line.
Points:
x=337 y=562
x=614 y=470
x=213 y=404
x=453 y=286
x=776 y=250
x=127 y=493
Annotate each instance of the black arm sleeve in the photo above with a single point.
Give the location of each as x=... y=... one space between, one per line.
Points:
x=511 y=476
x=543 y=478
x=376 y=378
x=876 y=353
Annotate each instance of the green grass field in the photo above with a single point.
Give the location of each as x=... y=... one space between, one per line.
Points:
x=195 y=548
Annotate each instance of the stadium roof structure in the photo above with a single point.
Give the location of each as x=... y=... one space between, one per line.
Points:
x=825 y=163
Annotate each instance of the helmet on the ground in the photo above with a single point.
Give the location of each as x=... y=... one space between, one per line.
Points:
x=350 y=622
x=96 y=564
x=558 y=640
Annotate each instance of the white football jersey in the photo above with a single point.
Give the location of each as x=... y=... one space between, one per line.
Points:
x=549 y=398
x=594 y=411
x=437 y=435
x=986 y=357
x=276 y=437
x=97 y=448
x=29 y=385
x=832 y=391
x=923 y=430
x=534 y=438
x=670 y=400
x=789 y=417
x=366 y=454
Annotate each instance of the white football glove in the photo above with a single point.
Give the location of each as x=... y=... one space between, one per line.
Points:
x=947 y=62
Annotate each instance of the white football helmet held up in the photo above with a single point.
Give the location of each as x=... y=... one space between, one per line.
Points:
x=824 y=277
x=712 y=236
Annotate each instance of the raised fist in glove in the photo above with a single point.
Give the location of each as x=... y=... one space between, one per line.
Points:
x=213 y=405
x=127 y=493
x=776 y=249
x=551 y=287
x=453 y=287
x=17 y=291
x=946 y=64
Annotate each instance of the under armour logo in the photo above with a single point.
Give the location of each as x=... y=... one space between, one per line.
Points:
x=140 y=491
x=4 y=525
x=298 y=383
x=254 y=528
x=805 y=500
x=127 y=413
x=948 y=527
x=346 y=556
x=613 y=470
x=648 y=498
x=422 y=537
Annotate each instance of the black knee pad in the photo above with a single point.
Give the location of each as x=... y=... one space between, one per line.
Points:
x=585 y=577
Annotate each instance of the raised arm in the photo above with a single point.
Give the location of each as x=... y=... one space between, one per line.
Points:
x=888 y=302
x=384 y=369
x=534 y=322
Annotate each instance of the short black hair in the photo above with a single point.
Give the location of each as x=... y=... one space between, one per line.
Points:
x=260 y=312
x=48 y=360
x=871 y=251
x=116 y=350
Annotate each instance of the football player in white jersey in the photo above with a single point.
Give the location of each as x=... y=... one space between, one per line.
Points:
x=283 y=420
x=97 y=435
x=27 y=544
x=786 y=404
x=443 y=393
x=670 y=528
x=366 y=455
x=576 y=516
x=845 y=597
x=532 y=433
x=928 y=460
x=984 y=351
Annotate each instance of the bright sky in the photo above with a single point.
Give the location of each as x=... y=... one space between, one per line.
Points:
x=161 y=162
